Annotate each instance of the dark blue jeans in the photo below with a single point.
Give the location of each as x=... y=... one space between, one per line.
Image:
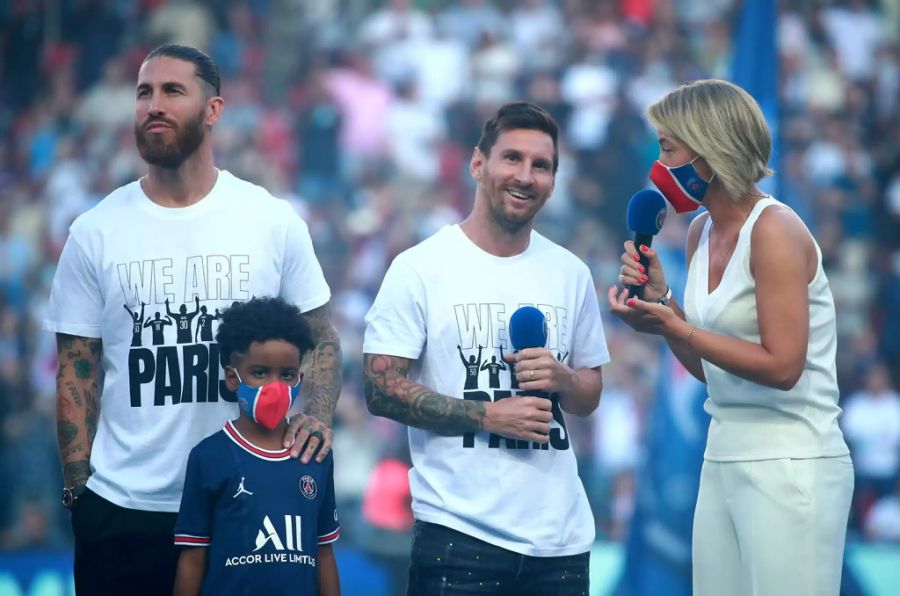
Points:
x=445 y=562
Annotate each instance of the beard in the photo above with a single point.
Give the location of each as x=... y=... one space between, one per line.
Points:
x=510 y=222
x=156 y=151
x=504 y=216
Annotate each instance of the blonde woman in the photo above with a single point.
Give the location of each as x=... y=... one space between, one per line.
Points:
x=758 y=327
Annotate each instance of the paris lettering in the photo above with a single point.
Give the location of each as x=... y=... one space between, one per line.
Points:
x=483 y=343
x=178 y=357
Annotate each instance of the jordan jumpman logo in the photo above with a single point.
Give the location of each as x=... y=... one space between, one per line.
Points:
x=241 y=489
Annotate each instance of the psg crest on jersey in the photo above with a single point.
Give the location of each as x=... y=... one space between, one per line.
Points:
x=308 y=486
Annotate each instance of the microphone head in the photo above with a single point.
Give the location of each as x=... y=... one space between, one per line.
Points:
x=646 y=212
x=527 y=328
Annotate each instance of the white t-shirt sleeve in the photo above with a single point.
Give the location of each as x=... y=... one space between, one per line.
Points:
x=589 y=349
x=76 y=300
x=302 y=282
x=395 y=325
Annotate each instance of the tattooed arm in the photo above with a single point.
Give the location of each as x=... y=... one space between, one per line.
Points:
x=389 y=393
x=321 y=388
x=77 y=403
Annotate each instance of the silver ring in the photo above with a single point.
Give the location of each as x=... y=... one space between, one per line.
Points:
x=532 y=373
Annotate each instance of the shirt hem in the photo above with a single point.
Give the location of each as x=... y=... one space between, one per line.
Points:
x=116 y=498
x=313 y=303
x=461 y=526
x=390 y=351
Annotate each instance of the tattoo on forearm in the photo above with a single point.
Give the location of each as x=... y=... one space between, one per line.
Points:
x=73 y=392
x=324 y=373
x=76 y=473
x=67 y=453
x=65 y=433
x=77 y=388
x=92 y=413
x=83 y=368
x=390 y=394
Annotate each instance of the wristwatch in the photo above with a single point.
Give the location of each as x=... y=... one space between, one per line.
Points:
x=666 y=297
x=70 y=496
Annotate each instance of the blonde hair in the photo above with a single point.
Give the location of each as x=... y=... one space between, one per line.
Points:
x=724 y=125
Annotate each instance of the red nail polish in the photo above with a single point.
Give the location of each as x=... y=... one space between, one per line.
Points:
x=644 y=247
x=630 y=302
x=644 y=278
x=641 y=268
x=637 y=258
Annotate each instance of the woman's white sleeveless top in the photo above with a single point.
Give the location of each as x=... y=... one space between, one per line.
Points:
x=751 y=421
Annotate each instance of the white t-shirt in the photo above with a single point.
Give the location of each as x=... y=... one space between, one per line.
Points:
x=163 y=389
x=872 y=425
x=438 y=303
x=751 y=421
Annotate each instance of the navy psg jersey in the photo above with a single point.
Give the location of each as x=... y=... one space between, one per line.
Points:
x=261 y=513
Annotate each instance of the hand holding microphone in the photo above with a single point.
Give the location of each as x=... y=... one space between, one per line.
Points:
x=643 y=304
x=527 y=417
x=641 y=270
x=536 y=369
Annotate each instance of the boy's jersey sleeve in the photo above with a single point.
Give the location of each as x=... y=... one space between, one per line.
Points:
x=329 y=527
x=192 y=527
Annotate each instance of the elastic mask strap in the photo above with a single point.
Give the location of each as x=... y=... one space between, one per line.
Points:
x=713 y=177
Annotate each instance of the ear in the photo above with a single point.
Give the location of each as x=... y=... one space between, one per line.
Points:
x=476 y=164
x=231 y=379
x=214 y=107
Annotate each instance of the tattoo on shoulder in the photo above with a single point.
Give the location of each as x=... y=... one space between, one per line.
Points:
x=391 y=394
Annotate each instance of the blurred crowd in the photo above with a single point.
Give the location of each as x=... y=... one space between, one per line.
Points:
x=363 y=114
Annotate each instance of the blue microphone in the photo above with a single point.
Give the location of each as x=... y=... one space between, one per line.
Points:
x=527 y=328
x=646 y=215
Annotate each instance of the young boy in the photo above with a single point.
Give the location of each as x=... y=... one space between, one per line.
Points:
x=253 y=520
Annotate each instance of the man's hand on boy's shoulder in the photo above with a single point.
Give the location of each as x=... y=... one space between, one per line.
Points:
x=306 y=435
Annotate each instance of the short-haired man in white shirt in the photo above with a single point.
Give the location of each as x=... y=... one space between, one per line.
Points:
x=186 y=234
x=498 y=503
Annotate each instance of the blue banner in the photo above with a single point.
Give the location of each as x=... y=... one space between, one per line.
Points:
x=755 y=67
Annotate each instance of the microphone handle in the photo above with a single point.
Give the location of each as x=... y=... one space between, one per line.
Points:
x=646 y=240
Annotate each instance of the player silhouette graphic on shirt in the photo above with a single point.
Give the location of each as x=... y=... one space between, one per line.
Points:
x=472 y=365
x=204 y=325
x=137 y=325
x=183 y=320
x=159 y=338
x=513 y=383
x=494 y=367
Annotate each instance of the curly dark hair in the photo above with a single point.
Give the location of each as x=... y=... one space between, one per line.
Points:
x=260 y=319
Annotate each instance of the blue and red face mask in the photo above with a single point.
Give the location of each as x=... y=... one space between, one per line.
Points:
x=268 y=404
x=682 y=185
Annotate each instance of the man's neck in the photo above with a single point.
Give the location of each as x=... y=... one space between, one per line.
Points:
x=494 y=239
x=183 y=186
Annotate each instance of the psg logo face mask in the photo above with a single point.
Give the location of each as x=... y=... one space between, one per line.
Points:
x=682 y=186
x=269 y=404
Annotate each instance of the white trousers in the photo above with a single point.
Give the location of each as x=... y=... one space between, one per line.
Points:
x=771 y=527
